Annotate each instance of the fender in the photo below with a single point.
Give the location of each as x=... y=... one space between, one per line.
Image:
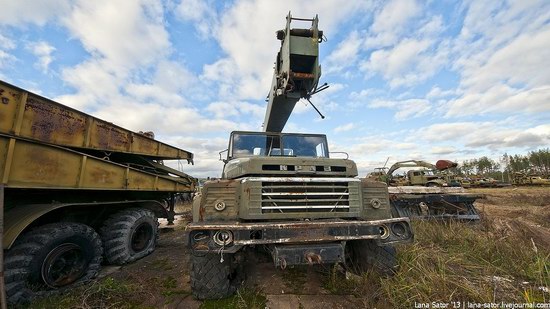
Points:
x=17 y=219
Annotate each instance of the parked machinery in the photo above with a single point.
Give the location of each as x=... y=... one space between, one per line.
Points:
x=78 y=191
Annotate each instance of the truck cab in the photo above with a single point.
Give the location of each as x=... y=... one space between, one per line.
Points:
x=283 y=191
x=425 y=178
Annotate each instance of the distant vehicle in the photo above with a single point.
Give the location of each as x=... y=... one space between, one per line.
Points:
x=534 y=180
x=428 y=193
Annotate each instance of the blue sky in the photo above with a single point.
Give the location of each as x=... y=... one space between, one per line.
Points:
x=408 y=79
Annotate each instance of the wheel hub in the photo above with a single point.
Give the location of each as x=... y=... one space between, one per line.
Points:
x=63 y=265
x=141 y=237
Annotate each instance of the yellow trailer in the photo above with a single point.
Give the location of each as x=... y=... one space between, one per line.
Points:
x=78 y=192
x=28 y=115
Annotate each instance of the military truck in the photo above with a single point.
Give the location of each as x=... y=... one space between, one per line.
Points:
x=533 y=180
x=428 y=193
x=284 y=193
x=79 y=191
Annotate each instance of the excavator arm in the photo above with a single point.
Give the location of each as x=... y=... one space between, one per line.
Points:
x=297 y=72
x=409 y=163
x=440 y=165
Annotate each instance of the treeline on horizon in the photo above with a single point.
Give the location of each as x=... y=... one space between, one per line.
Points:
x=534 y=162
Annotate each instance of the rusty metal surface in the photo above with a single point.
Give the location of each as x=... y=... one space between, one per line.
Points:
x=287 y=255
x=25 y=114
x=457 y=206
x=286 y=224
x=425 y=190
x=3 y=302
x=25 y=164
x=298 y=232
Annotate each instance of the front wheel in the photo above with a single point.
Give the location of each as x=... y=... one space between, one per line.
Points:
x=129 y=235
x=212 y=277
x=49 y=258
x=366 y=255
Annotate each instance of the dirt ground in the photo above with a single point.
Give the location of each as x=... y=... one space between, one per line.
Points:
x=164 y=275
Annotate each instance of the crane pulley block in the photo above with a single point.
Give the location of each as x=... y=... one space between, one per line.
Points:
x=297 y=71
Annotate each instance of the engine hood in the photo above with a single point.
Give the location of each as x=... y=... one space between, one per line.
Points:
x=289 y=166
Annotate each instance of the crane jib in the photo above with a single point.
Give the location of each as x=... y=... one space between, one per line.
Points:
x=297 y=72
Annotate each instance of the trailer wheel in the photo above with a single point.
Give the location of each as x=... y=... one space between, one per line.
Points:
x=129 y=235
x=51 y=258
x=212 y=279
x=365 y=255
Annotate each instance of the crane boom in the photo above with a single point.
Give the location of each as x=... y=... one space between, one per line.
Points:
x=297 y=72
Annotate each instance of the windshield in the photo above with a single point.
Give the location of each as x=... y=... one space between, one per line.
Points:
x=249 y=144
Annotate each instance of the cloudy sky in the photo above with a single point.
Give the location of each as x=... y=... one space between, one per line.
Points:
x=408 y=79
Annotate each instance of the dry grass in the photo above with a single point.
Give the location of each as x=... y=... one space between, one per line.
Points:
x=106 y=293
x=458 y=262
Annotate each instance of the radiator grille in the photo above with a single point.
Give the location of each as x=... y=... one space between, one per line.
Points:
x=288 y=197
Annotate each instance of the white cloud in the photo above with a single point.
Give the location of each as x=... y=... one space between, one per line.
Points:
x=501 y=50
x=437 y=92
x=6 y=58
x=501 y=98
x=407 y=59
x=229 y=109
x=390 y=22
x=345 y=127
x=443 y=150
x=201 y=13
x=492 y=135
x=137 y=39
x=6 y=42
x=43 y=51
x=247 y=72
x=38 y=12
x=405 y=109
x=345 y=54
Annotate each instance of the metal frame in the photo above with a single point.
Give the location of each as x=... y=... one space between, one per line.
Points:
x=298 y=232
x=3 y=301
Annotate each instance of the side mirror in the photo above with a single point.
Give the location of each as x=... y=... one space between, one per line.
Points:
x=221 y=152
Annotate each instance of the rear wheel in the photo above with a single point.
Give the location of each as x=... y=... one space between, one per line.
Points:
x=365 y=255
x=50 y=258
x=129 y=235
x=212 y=279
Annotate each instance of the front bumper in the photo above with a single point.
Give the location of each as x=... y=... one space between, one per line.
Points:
x=201 y=235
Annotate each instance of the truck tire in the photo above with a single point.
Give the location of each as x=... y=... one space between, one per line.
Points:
x=366 y=255
x=129 y=235
x=212 y=279
x=49 y=259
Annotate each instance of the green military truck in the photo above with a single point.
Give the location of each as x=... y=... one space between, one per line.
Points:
x=78 y=192
x=284 y=193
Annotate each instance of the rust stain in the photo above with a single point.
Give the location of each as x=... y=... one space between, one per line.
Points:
x=42 y=166
x=111 y=138
x=102 y=176
x=313 y=258
x=50 y=123
x=202 y=212
x=200 y=246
